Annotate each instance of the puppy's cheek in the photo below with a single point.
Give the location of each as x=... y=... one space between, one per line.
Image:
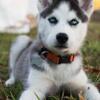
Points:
x=74 y=45
x=72 y=48
x=50 y=40
x=49 y=44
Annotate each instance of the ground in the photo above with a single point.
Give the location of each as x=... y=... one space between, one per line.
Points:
x=91 y=54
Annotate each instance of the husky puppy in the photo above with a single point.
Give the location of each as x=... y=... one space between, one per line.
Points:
x=54 y=60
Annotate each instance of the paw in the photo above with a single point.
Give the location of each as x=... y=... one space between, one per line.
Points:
x=28 y=95
x=9 y=82
x=91 y=93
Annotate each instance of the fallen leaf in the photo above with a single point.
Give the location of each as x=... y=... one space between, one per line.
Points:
x=81 y=97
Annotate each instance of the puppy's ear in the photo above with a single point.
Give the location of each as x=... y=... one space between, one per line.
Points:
x=87 y=6
x=44 y=4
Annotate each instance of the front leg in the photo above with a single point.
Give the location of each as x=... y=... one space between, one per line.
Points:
x=37 y=91
x=80 y=82
x=30 y=94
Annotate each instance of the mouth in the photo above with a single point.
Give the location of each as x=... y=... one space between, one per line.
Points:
x=62 y=48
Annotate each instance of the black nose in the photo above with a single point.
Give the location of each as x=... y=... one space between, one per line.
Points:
x=62 y=38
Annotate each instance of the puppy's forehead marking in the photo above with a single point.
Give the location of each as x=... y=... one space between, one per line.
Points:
x=64 y=12
x=64 y=7
x=73 y=5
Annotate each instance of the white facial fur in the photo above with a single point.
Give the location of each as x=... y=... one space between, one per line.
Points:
x=48 y=32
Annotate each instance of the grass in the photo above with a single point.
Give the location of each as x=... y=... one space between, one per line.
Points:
x=91 y=54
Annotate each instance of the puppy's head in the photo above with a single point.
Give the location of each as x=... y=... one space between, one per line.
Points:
x=63 y=24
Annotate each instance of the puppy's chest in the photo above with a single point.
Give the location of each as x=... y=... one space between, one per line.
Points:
x=59 y=73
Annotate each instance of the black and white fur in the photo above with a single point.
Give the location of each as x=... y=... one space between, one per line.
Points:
x=39 y=76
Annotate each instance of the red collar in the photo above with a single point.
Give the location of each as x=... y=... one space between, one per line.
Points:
x=56 y=59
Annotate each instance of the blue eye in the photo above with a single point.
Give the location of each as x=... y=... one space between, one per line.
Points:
x=53 y=20
x=73 y=22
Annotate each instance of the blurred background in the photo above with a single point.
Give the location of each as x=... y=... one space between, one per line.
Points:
x=97 y=4
x=96 y=15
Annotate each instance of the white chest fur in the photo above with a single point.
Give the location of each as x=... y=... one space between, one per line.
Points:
x=59 y=74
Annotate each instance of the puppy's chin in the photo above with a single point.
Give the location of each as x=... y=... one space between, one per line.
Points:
x=64 y=51
x=59 y=51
